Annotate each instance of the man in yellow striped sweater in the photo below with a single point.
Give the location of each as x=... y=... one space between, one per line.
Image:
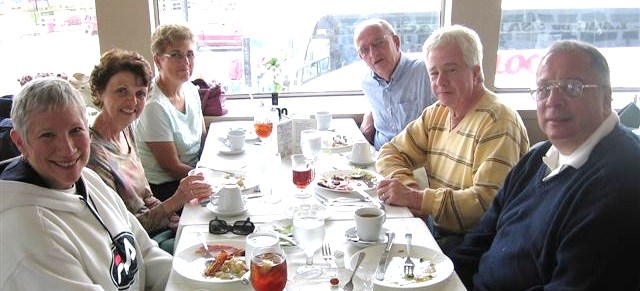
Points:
x=467 y=142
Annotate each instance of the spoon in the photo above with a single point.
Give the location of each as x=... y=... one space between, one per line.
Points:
x=349 y=285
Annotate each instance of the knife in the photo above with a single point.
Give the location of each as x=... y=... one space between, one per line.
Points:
x=368 y=197
x=382 y=265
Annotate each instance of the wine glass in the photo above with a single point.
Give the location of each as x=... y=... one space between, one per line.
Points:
x=311 y=143
x=308 y=232
x=263 y=122
x=268 y=268
x=303 y=174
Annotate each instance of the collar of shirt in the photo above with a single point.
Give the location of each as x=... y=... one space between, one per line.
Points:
x=396 y=73
x=556 y=162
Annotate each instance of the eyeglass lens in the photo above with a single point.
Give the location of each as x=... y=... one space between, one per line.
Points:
x=573 y=88
x=180 y=56
x=366 y=49
x=240 y=227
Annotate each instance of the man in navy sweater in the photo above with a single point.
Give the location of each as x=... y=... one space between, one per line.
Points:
x=568 y=214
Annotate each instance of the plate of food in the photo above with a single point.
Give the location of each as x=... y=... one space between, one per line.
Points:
x=431 y=266
x=336 y=142
x=346 y=181
x=227 y=266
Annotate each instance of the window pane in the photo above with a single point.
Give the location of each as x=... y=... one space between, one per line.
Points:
x=529 y=27
x=313 y=41
x=46 y=37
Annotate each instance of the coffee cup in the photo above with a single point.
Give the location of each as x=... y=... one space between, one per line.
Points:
x=323 y=120
x=235 y=139
x=361 y=152
x=259 y=239
x=230 y=198
x=369 y=222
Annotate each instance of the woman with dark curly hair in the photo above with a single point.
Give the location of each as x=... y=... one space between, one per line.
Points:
x=119 y=87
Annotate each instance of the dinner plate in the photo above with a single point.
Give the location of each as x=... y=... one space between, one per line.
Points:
x=190 y=264
x=352 y=236
x=349 y=184
x=214 y=208
x=426 y=261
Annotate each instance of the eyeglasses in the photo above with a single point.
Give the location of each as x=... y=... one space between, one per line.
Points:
x=178 y=56
x=240 y=227
x=573 y=89
x=377 y=44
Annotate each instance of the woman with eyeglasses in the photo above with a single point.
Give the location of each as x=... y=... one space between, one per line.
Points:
x=119 y=87
x=171 y=129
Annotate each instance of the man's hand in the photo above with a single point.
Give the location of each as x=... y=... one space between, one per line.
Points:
x=392 y=192
x=367 y=127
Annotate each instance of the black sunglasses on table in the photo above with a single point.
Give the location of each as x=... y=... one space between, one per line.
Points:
x=240 y=227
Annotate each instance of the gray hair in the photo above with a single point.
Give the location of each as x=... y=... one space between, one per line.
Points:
x=385 y=25
x=43 y=94
x=465 y=38
x=598 y=61
x=169 y=34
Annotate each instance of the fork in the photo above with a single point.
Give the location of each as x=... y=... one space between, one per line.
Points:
x=408 y=263
x=203 y=241
x=327 y=255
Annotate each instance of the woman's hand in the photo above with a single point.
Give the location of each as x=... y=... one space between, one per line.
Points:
x=194 y=187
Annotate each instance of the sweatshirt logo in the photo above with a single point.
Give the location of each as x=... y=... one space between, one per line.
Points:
x=124 y=264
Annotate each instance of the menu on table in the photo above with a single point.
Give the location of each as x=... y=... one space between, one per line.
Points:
x=288 y=134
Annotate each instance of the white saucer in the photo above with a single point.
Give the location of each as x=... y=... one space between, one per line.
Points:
x=361 y=164
x=214 y=208
x=351 y=236
x=227 y=151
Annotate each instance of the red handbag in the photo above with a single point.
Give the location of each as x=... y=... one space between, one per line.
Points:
x=211 y=98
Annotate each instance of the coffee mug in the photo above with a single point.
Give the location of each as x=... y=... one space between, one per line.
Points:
x=235 y=139
x=361 y=152
x=323 y=120
x=230 y=198
x=369 y=222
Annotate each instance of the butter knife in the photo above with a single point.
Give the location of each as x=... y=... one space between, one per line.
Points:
x=368 y=197
x=384 y=259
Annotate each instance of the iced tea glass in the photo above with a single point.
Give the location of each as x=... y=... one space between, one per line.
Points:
x=268 y=269
x=302 y=173
x=263 y=122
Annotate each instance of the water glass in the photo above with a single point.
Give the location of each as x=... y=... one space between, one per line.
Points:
x=308 y=232
x=311 y=143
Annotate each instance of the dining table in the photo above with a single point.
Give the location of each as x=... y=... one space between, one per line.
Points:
x=268 y=192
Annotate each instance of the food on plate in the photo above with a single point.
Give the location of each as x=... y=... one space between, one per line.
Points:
x=239 y=180
x=229 y=262
x=348 y=180
x=424 y=270
x=337 y=141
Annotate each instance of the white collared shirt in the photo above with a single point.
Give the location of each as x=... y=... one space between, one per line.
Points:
x=558 y=162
